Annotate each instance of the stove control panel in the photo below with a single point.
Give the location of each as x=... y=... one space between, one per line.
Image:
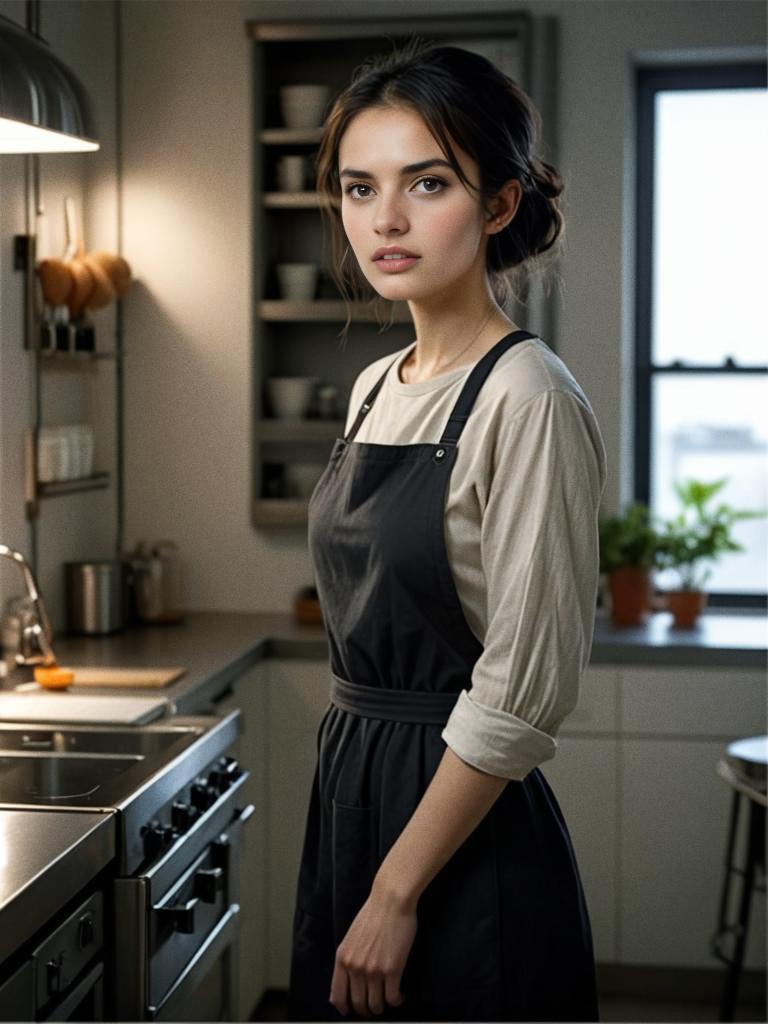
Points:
x=181 y=813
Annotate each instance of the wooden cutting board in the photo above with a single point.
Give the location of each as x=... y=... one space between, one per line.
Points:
x=89 y=675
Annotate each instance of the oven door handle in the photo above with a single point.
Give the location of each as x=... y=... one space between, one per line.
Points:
x=222 y=937
x=220 y=847
x=181 y=916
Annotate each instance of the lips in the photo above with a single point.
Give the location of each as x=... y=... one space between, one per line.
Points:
x=393 y=250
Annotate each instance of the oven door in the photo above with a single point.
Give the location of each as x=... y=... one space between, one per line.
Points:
x=176 y=928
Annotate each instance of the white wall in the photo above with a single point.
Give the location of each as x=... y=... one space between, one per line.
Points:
x=76 y=526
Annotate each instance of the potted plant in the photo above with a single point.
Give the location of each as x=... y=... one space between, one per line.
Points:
x=628 y=544
x=695 y=535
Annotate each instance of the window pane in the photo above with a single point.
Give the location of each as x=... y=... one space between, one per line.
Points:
x=708 y=427
x=710 y=226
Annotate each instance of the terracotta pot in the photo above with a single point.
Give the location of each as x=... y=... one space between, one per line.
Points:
x=630 y=590
x=686 y=606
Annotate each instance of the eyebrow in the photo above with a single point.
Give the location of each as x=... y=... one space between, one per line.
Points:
x=349 y=172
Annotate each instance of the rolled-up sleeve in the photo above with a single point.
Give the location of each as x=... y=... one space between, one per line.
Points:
x=540 y=558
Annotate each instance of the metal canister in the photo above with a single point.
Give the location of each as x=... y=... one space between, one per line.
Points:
x=96 y=596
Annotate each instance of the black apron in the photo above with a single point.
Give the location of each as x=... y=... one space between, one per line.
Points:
x=503 y=930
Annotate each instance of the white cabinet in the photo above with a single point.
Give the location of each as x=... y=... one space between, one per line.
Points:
x=635 y=776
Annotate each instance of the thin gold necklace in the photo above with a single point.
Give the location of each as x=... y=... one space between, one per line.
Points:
x=468 y=347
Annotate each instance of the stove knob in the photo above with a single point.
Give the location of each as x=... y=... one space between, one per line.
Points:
x=170 y=834
x=154 y=839
x=224 y=774
x=182 y=815
x=203 y=796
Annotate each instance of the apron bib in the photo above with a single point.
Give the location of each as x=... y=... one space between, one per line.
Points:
x=503 y=929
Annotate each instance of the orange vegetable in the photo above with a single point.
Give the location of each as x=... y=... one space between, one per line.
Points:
x=52 y=677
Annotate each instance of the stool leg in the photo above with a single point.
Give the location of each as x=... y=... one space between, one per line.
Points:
x=755 y=840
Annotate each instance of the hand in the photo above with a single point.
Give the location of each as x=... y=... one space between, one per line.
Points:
x=372 y=956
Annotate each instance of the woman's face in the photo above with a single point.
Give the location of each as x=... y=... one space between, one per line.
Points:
x=424 y=211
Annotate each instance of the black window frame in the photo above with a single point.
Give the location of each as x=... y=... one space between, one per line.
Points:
x=648 y=82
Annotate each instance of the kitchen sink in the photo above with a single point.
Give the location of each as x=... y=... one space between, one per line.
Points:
x=51 y=778
x=90 y=740
x=85 y=765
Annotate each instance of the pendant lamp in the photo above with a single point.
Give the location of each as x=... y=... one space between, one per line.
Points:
x=44 y=107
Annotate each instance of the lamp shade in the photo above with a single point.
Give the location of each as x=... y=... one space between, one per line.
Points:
x=44 y=108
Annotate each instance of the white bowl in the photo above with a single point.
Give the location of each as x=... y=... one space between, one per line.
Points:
x=301 y=478
x=297 y=280
x=290 y=397
x=303 y=106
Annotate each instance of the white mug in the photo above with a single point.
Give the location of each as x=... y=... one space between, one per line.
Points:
x=290 y=173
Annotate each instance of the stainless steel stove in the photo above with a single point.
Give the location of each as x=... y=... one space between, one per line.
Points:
x=171 y=910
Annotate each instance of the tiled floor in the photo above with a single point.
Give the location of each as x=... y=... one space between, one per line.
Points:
x=642 y=1011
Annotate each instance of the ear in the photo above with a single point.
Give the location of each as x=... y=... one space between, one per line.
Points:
x=504 y=206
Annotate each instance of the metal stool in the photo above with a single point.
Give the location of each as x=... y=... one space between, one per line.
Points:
x=743 y=768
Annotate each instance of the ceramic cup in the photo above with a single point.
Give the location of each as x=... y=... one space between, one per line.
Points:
x=301 y=478
x=290 y=173
x=303 y=106
x=297 y=280
x=291 y=397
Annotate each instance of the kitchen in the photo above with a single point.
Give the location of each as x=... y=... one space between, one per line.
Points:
x=168 y=892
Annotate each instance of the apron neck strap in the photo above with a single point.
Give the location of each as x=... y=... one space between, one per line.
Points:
x=473 y=383
x=370 y=398
x=463 y=407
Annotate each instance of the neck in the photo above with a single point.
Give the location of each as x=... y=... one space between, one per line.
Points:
x=447 y=326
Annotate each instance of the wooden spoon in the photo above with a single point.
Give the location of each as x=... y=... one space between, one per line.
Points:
x=82 y=275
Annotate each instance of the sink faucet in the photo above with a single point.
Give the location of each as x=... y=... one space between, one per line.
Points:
x=36 y=641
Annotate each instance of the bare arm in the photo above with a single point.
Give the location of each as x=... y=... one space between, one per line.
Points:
x=455 y=802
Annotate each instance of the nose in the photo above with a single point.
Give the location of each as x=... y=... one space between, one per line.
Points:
x=390 y=216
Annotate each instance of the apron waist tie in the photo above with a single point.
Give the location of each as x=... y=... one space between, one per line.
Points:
x=422 y=706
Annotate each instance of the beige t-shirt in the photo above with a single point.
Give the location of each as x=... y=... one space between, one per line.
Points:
x=521 y=536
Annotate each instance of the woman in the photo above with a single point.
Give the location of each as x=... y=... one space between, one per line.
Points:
x=454 y=539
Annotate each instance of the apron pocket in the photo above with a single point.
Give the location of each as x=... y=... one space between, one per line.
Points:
x=354 y=863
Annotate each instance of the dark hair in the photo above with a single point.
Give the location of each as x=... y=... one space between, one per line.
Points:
x=461 y=94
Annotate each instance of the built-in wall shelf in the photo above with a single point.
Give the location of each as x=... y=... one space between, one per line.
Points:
x=280 y=511
x=55 y=357
x=291 y=200
x=291 y=136
x=301 y=338
x=53 y=488
x=333 y=310
x=299 y=430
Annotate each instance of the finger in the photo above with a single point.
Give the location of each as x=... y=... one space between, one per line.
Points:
x=340 y=989
x=376 y=993
x=358 y=993
x=392 y=992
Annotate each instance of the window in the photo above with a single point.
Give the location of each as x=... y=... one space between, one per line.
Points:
x=701 y=374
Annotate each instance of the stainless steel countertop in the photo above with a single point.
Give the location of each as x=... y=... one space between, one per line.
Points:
x=216 y=647
x=47 y=857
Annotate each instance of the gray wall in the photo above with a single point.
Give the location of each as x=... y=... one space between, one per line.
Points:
x=186 y=213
